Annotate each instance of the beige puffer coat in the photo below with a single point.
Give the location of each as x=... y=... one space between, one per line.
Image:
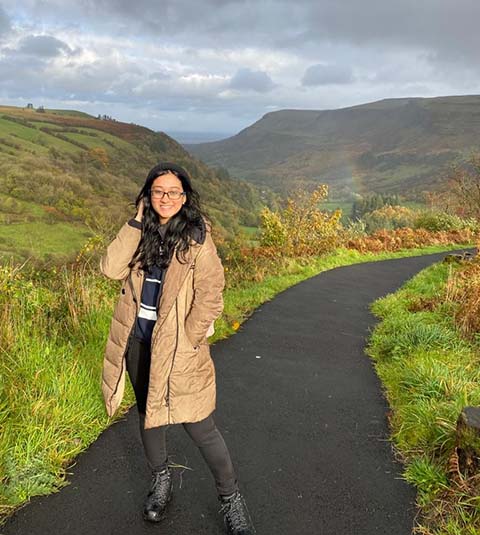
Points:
x=182 y=375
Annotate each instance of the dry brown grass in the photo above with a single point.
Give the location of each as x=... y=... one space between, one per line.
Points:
x=407 y=238
x=463 y=289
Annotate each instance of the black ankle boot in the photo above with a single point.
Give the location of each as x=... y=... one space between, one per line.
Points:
x=159 y=495
x=235 y=515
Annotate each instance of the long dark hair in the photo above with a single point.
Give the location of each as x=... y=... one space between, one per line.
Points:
x=152 y=250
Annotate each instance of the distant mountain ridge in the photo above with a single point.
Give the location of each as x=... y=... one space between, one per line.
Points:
x=402 y=145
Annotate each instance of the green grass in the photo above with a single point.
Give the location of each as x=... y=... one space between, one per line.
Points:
x=345 y=207
x=31 y=208
x=429 y=373
x=40 y=141
x=42 y=240
x=32 y=139
x=98 y=140
x=54 y=366
x=46 y=124
x=73 y=113
x=31 y=230
x=33 y=136
x=251 y=232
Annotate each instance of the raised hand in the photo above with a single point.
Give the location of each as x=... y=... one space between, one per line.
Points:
x=140 y=208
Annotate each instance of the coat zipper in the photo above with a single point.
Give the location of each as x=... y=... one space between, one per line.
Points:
x=167 y=397
x=130 y=334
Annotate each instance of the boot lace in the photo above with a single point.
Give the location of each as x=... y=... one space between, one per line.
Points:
x=235 y=512
x=161 y=485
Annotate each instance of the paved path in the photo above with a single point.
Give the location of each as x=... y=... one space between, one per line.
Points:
x=305 y=424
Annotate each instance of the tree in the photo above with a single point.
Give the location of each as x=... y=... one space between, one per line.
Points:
x=99 y=156
x=301 y=228
x=372 y=202
x=461 y=193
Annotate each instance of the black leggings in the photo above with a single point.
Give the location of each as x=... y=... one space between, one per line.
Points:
x=204 y=434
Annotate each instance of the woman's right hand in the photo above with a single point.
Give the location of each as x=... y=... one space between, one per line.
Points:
x=140 y=208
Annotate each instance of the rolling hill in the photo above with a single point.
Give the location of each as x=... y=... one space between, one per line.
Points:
x=65 y=175
x=401 y=145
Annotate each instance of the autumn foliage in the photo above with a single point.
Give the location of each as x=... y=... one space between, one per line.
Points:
x=461 y=191
x=463 y=290
x=301 y=228
x=407 y=238
x=389 y=217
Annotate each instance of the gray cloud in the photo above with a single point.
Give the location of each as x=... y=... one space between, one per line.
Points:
x=103 y=79
x=327 y=74
x=247 y=79
x=43 y=45
x=4 y=22
x=21 y=76
x=444 y=28
x=441 y=28
x=223 y=58
x=159 y=75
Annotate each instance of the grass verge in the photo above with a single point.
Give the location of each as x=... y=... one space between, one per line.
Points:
x=429 y=372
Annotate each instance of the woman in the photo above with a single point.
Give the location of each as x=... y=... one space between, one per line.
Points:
x=169 y=299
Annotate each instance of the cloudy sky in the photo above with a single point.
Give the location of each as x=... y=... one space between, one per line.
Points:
x=219 y=65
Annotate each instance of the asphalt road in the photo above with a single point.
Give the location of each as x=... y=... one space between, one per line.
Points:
x=302 y=411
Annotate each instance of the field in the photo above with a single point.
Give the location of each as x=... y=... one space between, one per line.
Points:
x=64 y=173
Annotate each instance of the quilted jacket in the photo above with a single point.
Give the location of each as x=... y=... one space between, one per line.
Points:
x=182 y=375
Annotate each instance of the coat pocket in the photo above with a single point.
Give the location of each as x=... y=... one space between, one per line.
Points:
x=190 y=345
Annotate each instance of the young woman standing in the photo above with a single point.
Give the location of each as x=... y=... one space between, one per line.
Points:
x=170 y=297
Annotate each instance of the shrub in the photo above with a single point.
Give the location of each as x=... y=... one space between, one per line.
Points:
x=274 y=232
x=436 y=220
x=300 y=228
x=389 y=218
x=355 y=229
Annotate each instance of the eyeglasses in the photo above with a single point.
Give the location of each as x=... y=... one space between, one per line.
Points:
x=172 y=195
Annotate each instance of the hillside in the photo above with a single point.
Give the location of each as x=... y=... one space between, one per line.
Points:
x=390 y=146
x=65 y=174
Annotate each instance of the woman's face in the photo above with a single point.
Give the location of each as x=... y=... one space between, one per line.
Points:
x=162 y=204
